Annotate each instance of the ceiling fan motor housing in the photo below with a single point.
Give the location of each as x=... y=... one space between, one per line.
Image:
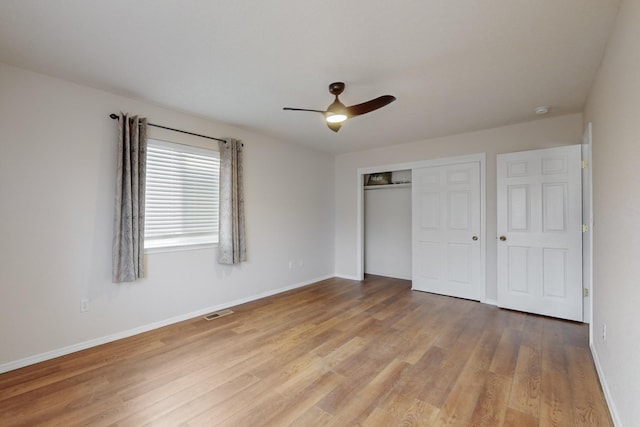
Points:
x=336 y=88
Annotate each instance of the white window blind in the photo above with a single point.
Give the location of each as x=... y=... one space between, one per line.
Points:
x=182 y=195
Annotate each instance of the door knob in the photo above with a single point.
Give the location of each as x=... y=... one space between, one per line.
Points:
x=474 y=238
x=503 y=238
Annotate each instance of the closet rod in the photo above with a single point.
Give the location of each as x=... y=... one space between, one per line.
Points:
x=115 y=117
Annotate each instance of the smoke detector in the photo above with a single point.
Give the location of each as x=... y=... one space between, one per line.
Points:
x=541 y=110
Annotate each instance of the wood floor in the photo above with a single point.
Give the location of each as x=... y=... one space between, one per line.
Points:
x=336 y=353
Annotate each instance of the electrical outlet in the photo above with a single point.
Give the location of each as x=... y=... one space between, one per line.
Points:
x=604 y=331
x=290 y=265
x=84 y=305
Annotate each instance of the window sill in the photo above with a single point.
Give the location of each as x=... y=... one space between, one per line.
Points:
x=179 y=248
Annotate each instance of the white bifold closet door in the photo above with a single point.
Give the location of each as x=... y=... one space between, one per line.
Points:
x=446 y=230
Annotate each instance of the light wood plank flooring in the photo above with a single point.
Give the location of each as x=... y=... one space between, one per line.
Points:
x=336 y=353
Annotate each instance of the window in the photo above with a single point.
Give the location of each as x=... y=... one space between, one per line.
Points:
x=182 y=195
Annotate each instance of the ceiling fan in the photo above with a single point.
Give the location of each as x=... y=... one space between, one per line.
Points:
x=337 y=112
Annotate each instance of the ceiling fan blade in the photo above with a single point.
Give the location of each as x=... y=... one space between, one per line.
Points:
x=303 y=109
x=369 y=106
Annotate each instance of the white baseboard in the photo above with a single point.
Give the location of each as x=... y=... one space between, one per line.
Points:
x=391 y=275
x=10 y=366
x=342 y=276
x=605 y=388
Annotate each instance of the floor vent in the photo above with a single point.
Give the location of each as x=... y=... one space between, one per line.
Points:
x=217 y=314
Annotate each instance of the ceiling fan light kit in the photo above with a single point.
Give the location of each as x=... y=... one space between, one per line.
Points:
x=334 y=121
x=337 y=112
x=336 y=118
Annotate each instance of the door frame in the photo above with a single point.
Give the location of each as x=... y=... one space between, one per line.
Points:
x=587 y=219
x=443 y=161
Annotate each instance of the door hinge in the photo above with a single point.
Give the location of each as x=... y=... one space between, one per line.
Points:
x=584 y=164
x=585 y=292
x=585 y=228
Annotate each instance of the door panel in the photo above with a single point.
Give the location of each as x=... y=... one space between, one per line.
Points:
x=518 y=208
x=459 y=210
x=430 y=213
x=540 y=229
x=459 y=262
x=519 y=269
x=554 y=199
x=446 y=258
x=429 y=254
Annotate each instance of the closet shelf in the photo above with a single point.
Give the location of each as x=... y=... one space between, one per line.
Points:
x=387 y=186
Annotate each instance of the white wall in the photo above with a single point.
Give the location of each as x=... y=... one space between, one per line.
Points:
x=552 y=132
x=57 y=177
x=387 y=231
x=613 y=107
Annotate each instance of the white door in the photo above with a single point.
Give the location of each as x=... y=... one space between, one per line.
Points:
x=540 y=232
x=446 y=230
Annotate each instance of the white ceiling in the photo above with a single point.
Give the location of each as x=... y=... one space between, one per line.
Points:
x=454 y=65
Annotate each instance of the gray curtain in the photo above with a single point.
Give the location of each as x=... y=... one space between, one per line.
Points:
x=231 y=245
x=128 y=230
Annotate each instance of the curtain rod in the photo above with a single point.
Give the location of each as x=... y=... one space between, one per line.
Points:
x=115 y=116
